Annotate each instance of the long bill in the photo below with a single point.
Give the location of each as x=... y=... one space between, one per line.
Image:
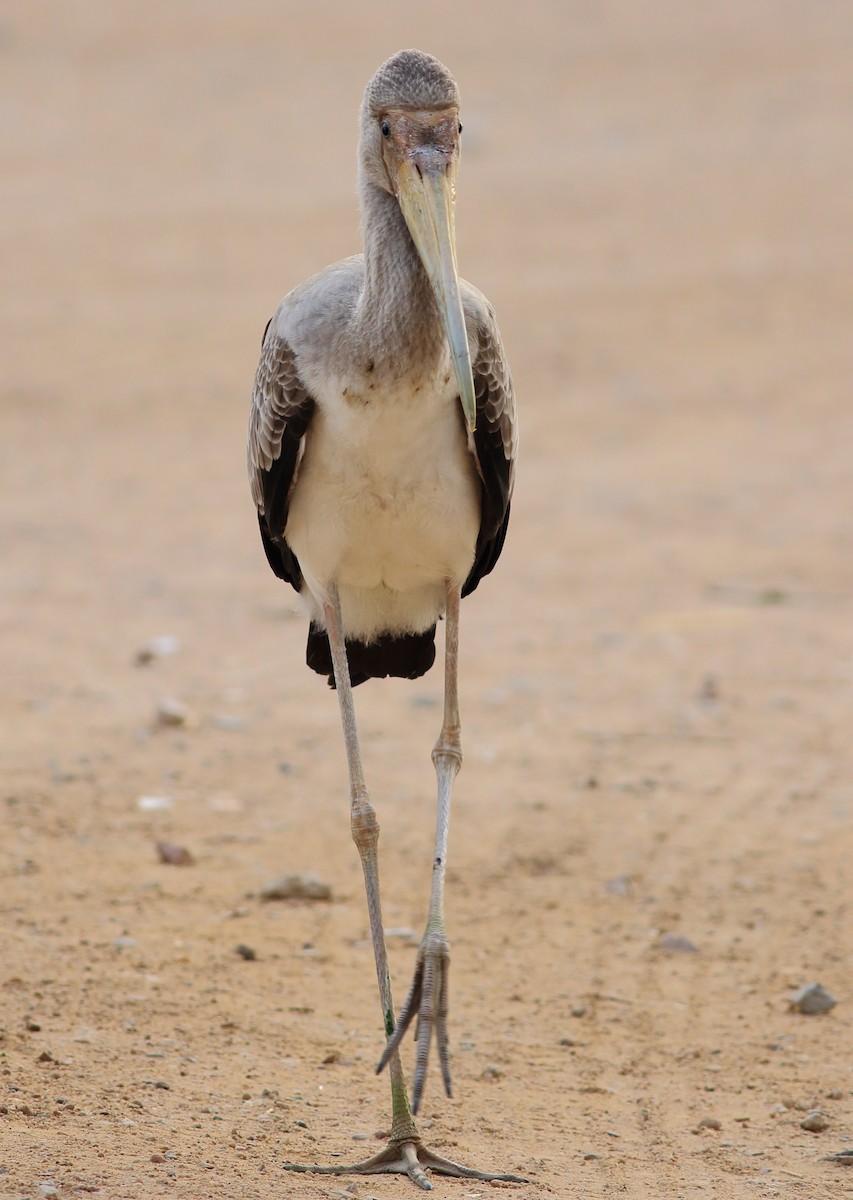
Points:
x=425 y=195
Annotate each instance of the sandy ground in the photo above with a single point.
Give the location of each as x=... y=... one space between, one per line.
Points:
x=657 y=681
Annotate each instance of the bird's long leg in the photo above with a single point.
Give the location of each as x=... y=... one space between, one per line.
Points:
x=427 y=997
x=365 y=834
x=405 y=1154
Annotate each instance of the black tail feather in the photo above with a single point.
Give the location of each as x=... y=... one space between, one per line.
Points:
x=403 y=655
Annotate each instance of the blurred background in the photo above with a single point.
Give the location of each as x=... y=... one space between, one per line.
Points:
x=657 y=200
x=658 y=680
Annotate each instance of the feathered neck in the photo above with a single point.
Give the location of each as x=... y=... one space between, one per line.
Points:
x=398 y=314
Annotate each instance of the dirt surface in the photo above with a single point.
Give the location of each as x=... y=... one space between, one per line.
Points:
x=657 y=681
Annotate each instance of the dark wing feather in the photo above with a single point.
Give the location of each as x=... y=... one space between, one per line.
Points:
x=495 y=441
x=281 y=412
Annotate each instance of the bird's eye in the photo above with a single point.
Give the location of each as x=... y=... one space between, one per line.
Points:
x=386 y=129
x=459 y=130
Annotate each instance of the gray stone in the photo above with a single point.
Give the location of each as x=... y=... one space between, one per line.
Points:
x=844 y=1158
x=677 y=943
x=811 y=999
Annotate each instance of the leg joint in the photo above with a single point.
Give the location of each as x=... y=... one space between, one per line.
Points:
x=447 y=752
x=449 y=744
x=364 y=823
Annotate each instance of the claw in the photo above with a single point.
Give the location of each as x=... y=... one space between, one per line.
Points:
x=409 y=1157
x=427 y=1005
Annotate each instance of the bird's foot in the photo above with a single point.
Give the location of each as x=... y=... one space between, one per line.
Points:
x=406 y=1157
x=426 y=1001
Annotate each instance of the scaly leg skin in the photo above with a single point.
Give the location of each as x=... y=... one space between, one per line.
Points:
x=405 y=1154
x=426 y=1002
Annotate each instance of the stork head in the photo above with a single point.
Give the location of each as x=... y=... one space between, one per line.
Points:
x=410 y=132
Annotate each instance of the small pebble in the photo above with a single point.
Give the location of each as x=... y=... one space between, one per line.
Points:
x=815 y=1121
x=153 y=803
x=175 y=856
x=157 y=647
x=710 y=1123
x=172 y=713
x=620 y=885
x=844 y=1158
x=296 y=886
x=47 y=1189
x=812 y=999
x=491 y=1073
x=676 y=943
x=578 y=1010
x=246 y=952
x=835 y=1094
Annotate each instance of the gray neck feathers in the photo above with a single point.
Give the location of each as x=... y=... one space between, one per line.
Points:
x=398 y=315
